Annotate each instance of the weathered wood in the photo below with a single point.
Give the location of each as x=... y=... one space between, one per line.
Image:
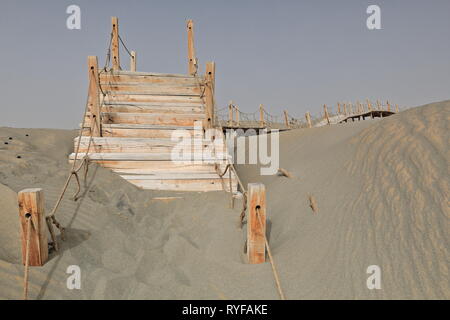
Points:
x=132 y=98
x=148 y=156
x=345 y=109
x=388 y=106
x=369 y=105
x=286 y=119
x=147 y=167
x=149 y=89
x=236 y=109
x=396 y=108
x=378 y=105
x=256 y=227
x=325 y=114
x=192 y=59
x=230 y=113
x=111 y=131
x=133 y=61
x=158 y=109
x=203 y=185
x=32 y=205
x=115 y=44
x=261 y=115
x=93 y=97
x=308 y=119
x=143 y=78
x=149 y=118
x=339 y=108
x=210 y=77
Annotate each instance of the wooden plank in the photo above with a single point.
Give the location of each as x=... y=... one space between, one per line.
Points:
x=184 y=120
x=32 y=206
x=133 y=61
x=132 y=98
x=256 y=227
x=150 y=74
x=148 y=156
x=93 y=97
x=164 y=90
x=210 y=79
x=145 y=167
x=199 y=110
x=115 y=43
x=184 y=185
x=192 y=59
x=115 y=78
x=171 y=176
x=138 y=132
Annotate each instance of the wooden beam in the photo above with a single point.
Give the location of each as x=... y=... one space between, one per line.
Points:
x=345 y=109
x=256 y=232
x=261 y=115
x=388 y=106
x=133 y=61
x=339 y=108
x=325 y=113
x=236 y=109
x=286 y=118
x=308 y=119
x=192 y=60
x=93 y=97
x=115 y=43
x=210 y=77
x=32 y=206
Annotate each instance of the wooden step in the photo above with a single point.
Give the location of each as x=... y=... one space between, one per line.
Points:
x=201 y=185
x=116 y=156
x=149 y=98
x=184 y=120
x=162 y=90
x=158 y=108
x=150 y=79
x=146 y=167
x=143 y=145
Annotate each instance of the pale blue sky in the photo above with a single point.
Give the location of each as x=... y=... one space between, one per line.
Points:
x=294 y=55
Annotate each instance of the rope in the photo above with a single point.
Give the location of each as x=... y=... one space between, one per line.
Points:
x=274 y=270
x=27 y=257
x=128 y=51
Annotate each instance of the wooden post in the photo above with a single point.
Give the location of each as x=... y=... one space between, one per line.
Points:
x=261 y=115
x=378 y=105
x=345 y=109
x=133 y=61
x=339 y=108
x=256 y=228
x=230 y=114
x=210 y=78
x=115 y=43
x=236 y=109
x=369 y=105
x=396 y=108
x=93 y=97
x=31 y=205
x=388 y=106
x=286 y=118
x=325 y=113
x=308 y=119
x=351 y=108
x=192 y=60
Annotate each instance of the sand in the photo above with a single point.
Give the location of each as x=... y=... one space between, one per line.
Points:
x=381 y=188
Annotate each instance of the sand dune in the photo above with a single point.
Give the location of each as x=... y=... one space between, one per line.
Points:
x=382 y=193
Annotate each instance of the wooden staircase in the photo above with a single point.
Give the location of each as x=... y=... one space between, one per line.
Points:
x=131 y=121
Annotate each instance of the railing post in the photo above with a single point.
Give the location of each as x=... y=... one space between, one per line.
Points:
x=93 y=97
x=210 y=77
x=378 y=105
x=192 y=59
x=326 y=113
x=115 y=44
x=286 y=118
x=32 y=207
x=396 y=108
x=339 y=108
x=236 y=109
x=230 y=114
x=388 y=106
x=369 y=105
x=133 y=61
x=261 y=115
x=256 y=223
x=308 y=119
x=345 y=109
